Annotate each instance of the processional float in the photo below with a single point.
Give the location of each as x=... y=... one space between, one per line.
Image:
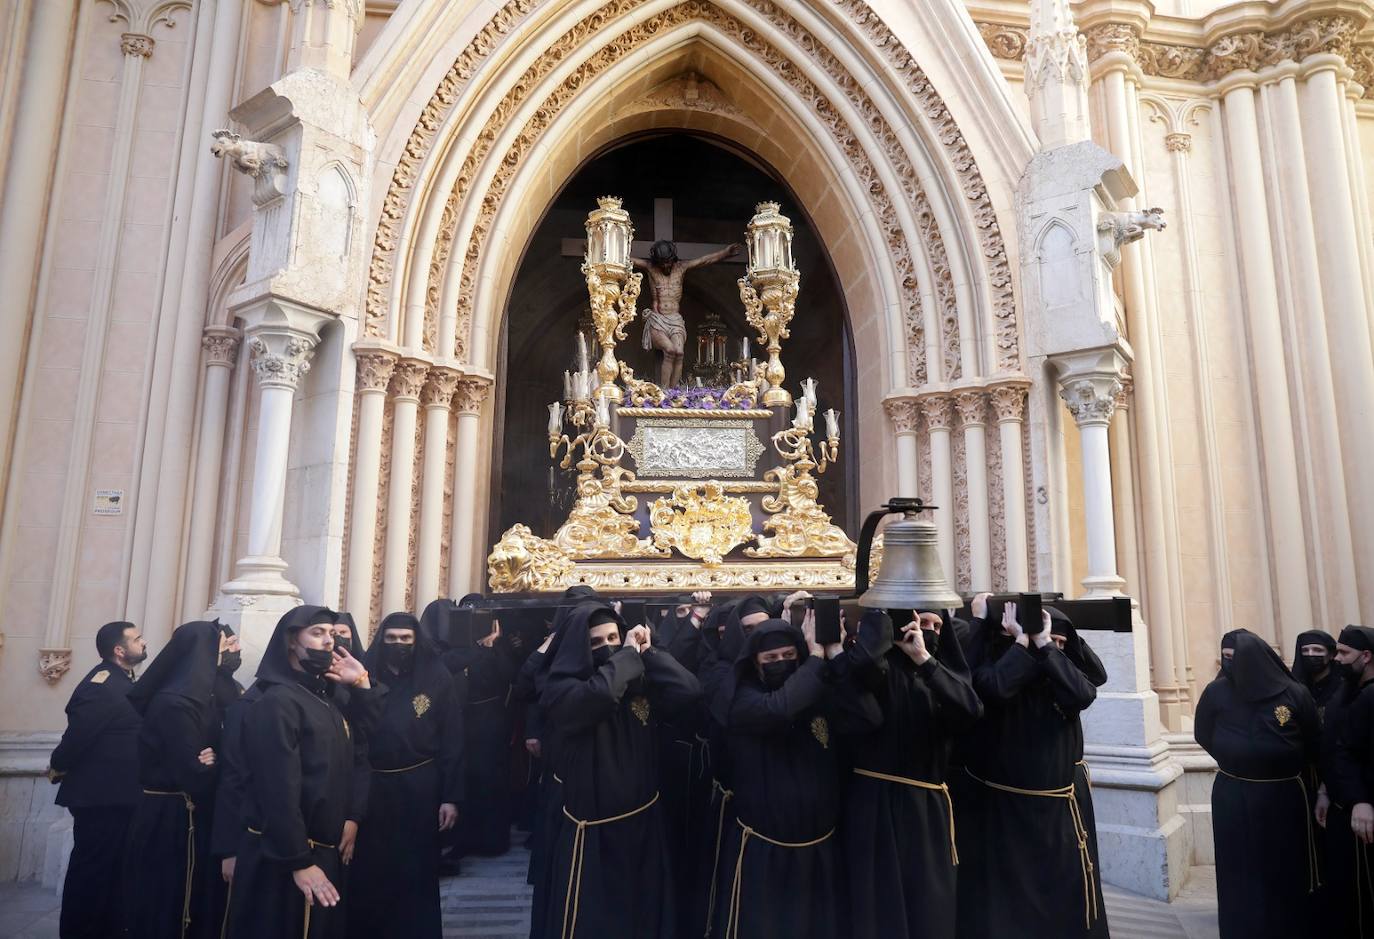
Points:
x=682 y=489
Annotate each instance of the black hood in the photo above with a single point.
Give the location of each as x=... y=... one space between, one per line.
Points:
x=570 y=652
x=186 y=667
x=714 y=624
x=434 y=624
x=353 y=645
x=1257 y=673
x=770 y=634
x=427 y=669
x=275 y=667
x=1358 y=637
x=1308 y=638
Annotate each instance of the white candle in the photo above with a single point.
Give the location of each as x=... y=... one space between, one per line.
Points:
x=567 y=386
x=581 y=351
x=603 y=412
x=744 y=349
x=809 y=393
x=803 y=418
x=832 y=424
x=555 y=419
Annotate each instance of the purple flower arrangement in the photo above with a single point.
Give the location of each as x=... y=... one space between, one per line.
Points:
x=700 y=399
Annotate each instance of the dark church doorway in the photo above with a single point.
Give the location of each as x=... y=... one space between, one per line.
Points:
x=694 y=190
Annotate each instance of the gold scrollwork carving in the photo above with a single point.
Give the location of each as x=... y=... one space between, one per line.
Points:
x=702 y=522
x=602 y=522
x=801 y=528
x=523 y=562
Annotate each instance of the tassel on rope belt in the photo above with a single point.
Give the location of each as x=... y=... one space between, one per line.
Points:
x=1314 y=879
x=574 y=893
x=405 y=769
x=737 y=889
x=310 y=841
x=920 y=784
x=725 y=796
x=1090 y=911
x=190 y=851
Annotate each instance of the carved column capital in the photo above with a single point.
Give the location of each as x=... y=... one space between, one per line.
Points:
x=281 y=359
x=408 y=379
x=1009 y=402
x=221 y=345
x=54 y=663
x=903 y=413
x=1112 y=37
x=1123 y=397
x=1178 y=142
x=471 y=393
x=440 y=384
x=972 y=405
x=937 y=411
x=1091 y=399
x=136 y=44
x=374 y=369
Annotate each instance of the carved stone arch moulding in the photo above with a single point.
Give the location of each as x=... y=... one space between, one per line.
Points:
x=437 y=112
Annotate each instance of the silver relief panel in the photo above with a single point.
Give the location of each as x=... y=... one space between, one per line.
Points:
x=695 y=449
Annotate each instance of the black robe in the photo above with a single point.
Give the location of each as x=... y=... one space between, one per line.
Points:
x=1028 y=741
x=897 y=836
x=1349 y=782
x=609 y=868
x=96 y=766
x=416 y=752
x=299 y=758
x=780 y=874
x=168 y=845
x=1262 y=728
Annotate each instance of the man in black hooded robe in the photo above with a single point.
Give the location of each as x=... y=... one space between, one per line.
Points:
x=96 y=766
x=1314 y=654
x=167 y=848
x=606 y=691
x=898 y=822
x=299 y=758
x=417 y=782
x=1262 y=728
x=1347 y=766
x=1020 y=831
x=789 y=698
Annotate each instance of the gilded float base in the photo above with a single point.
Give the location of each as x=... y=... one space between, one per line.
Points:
x=629 y=577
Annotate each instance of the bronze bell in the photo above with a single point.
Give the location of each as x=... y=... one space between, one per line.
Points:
x=911 y=577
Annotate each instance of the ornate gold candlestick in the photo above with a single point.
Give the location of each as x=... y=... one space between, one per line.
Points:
x=611 y=285
x=800 y=527
x=769 y=291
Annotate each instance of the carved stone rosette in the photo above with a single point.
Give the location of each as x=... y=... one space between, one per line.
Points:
x=53 y=664
x=701 y=522
x=523 y=562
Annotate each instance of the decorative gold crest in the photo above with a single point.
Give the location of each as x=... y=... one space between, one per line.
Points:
x=421 y=704
x=100 y=677
x=1282 y=714
x=702 y=522
x=821 y=731
x=639 y=706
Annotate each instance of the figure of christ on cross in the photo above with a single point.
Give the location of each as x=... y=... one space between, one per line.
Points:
x=667 y=264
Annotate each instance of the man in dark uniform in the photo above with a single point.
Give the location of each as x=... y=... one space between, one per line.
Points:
x=96 y=764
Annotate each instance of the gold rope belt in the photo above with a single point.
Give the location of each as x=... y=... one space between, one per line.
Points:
x=405 y=769
x=190 y=851
x=574 y=894
x=1314 y=877
x=920 y=784
x=495 y=697
x=725 y=796
x=310 y=841
x=1085 y=861
x=1087 y=773
x=737 y=888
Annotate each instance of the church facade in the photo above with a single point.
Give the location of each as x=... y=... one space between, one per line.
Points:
x=1107 y=271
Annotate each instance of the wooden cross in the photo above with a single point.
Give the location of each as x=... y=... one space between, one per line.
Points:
x=663 y=231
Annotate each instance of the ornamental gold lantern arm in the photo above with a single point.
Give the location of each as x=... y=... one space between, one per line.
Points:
x=625 y=303
x=753 y=308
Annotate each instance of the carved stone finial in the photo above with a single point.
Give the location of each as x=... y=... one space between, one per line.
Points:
x=1056 y=69
x=54 y=663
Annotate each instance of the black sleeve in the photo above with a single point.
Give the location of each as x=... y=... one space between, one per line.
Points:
x=87 y=719
x=1090 y=665
x=178 y=724
x=959 y=705
x=1073 y=692
x=1353 y=748
x=363 y=708
x=671 y=687
x=755 y=711
x=1003 y=679
x=229 y=823
x=850 y=707
x=1205 y=717
x=1310 y=722
x=686 y=646
x=271 y=742
x=451 y=744
x=360 y=784
x=573 y=704
x=524 y=689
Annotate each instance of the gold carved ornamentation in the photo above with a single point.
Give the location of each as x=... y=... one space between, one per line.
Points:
x=801 y=528
x=420 y=704
x=641 y=392
x=721 y=415
x=749 y=449
x=639 y=706
x=523 y=562
x=701 y=522
x=602 y=522
x=729 y=485
x=1283 y=714
x=820 y=729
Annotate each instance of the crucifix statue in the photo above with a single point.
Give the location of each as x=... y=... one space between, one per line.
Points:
x=667 y=263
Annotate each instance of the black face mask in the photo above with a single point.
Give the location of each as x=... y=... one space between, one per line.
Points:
x=398 y=656
x=1226 y=666
x=602 y=654
x=229 y=662
x=775 y=674
x=1315 y=663
x=932 y=639
x=346 y=644
x=317 y=661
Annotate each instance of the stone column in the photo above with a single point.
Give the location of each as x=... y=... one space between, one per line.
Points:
x=1287 y=539
x=1342 y=284
x=1089 y=383
x=375 y=366
x=406 y=384
x=902 y=412
x=973 y=414
x=1123 y=489
x=1009 y=404
x=436 y=397
x=221 y=345
x=470 y=395
x=938 y=414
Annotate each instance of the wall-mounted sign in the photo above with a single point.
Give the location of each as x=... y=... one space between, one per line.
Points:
x=108 y=502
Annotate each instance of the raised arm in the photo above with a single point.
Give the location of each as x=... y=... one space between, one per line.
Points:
x=573 y=704
x=755 y=711
x=712 y=258
x=671 y=687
